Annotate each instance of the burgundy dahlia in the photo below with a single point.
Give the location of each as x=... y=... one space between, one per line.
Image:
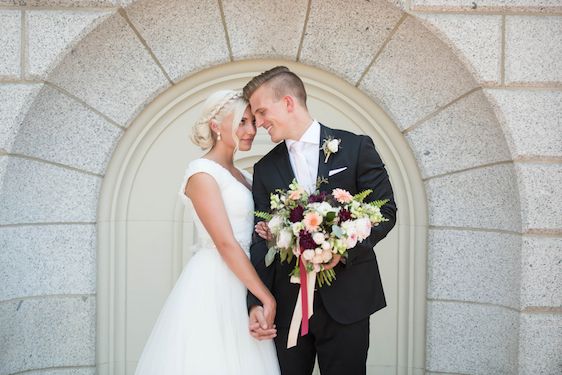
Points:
x=344 y=215
x=297 y=214
x=306 y=241
x=317 y=198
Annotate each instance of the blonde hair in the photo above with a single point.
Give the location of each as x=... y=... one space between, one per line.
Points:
x=281 y=80
x=216 y=107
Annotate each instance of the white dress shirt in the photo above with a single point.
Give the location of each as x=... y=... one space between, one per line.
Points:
x=310 y=146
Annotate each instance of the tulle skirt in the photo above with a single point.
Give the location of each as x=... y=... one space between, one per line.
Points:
x=203 y=326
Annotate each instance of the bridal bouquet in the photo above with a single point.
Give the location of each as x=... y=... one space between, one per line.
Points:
x=314 y=227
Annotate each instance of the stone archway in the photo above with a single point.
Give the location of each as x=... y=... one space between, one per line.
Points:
x=136 y=239
x=95 y=93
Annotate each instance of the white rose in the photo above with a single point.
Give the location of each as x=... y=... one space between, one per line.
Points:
x=318 y=251
x=349 y=227
x=333 y=145
x=363 y=228
x=351 y=241
x=323 y=208
x=275 y=224
x=317 y=259
x=308 y=254
x=284 y=239
x=318 y=238
x=326 y=245
x=314 y=206
x=326 y=256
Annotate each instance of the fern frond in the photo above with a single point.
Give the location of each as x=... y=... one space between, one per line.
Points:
x=361 y=196
x=263 y=215
x=379 y=203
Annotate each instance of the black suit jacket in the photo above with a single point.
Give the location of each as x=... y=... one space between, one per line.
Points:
x=357 y=291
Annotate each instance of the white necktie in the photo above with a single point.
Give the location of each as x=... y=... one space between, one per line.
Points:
x=302 y=172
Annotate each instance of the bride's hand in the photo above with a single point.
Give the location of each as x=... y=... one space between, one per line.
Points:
x=257 y=324
x=269 y=310
x=263 y=230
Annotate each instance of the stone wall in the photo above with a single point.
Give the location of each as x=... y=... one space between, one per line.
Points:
x=475 y=87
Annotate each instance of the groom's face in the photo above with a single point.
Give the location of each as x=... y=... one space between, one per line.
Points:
x=270 y=113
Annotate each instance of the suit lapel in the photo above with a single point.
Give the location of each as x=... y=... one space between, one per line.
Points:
x=284 y=165
x=324 y=167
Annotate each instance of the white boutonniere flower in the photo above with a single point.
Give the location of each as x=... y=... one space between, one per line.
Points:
x=330 y=146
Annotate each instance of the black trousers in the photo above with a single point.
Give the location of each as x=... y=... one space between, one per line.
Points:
x=341 y=349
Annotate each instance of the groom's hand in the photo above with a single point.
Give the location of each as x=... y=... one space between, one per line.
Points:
x=334 y=262
x=262 y=229
x=258 y=324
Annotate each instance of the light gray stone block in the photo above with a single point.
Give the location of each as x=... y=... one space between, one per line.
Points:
x=51 y=34
x=481 y=198
x=60 y=129
x=3 y=165
x=36 y=192
x=474 y=266
x=66 y=3
x=540 y=186
x=260 y=28
x=471 y=338
x=540 y=342
x=541 y=272
x=477 y=39
x=532 y=120
x=47 y=260
x=464 y=135
x=185 y=40
x=533 y=51
x=15 y=100
x=47 y=332
x=112 y=71
x=534 y=5
x=10 y=43
x=416 y=74
x=85 y=370
x=343 y=37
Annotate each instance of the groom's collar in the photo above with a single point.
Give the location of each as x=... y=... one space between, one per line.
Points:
x=311 y=135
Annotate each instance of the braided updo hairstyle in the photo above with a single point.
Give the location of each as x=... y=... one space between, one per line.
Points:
x=216 y=107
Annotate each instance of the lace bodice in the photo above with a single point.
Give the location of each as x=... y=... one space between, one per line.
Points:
x=237 y=200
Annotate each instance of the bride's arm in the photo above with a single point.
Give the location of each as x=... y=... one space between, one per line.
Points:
x=206 y=197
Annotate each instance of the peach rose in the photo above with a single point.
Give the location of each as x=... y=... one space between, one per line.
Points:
x=295 y=195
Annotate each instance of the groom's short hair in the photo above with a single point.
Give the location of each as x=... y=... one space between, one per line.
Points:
x=281 y=80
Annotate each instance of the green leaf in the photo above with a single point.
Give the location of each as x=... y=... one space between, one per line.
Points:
x=270 y=256
x=283 y=255
x=263 y=215
x=361 y=196
x=330 y=216
x=379 y=203
x=289 y=256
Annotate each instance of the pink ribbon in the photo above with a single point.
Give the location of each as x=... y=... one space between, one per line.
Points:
x=305 y=301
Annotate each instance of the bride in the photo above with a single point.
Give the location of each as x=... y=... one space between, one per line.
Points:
x=203 y=326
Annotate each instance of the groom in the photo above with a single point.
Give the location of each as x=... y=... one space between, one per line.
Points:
x=339 y=327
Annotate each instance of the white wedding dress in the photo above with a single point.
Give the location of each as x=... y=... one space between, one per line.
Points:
x=203 y=326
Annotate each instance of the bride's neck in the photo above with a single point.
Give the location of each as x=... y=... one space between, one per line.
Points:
x=222 y=156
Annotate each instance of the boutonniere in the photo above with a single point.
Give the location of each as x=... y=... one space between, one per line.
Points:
x=330 y=146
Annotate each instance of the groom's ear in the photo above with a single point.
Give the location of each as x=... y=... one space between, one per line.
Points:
x=289 y=102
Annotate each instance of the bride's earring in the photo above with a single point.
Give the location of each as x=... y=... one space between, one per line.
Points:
x=219 y=136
